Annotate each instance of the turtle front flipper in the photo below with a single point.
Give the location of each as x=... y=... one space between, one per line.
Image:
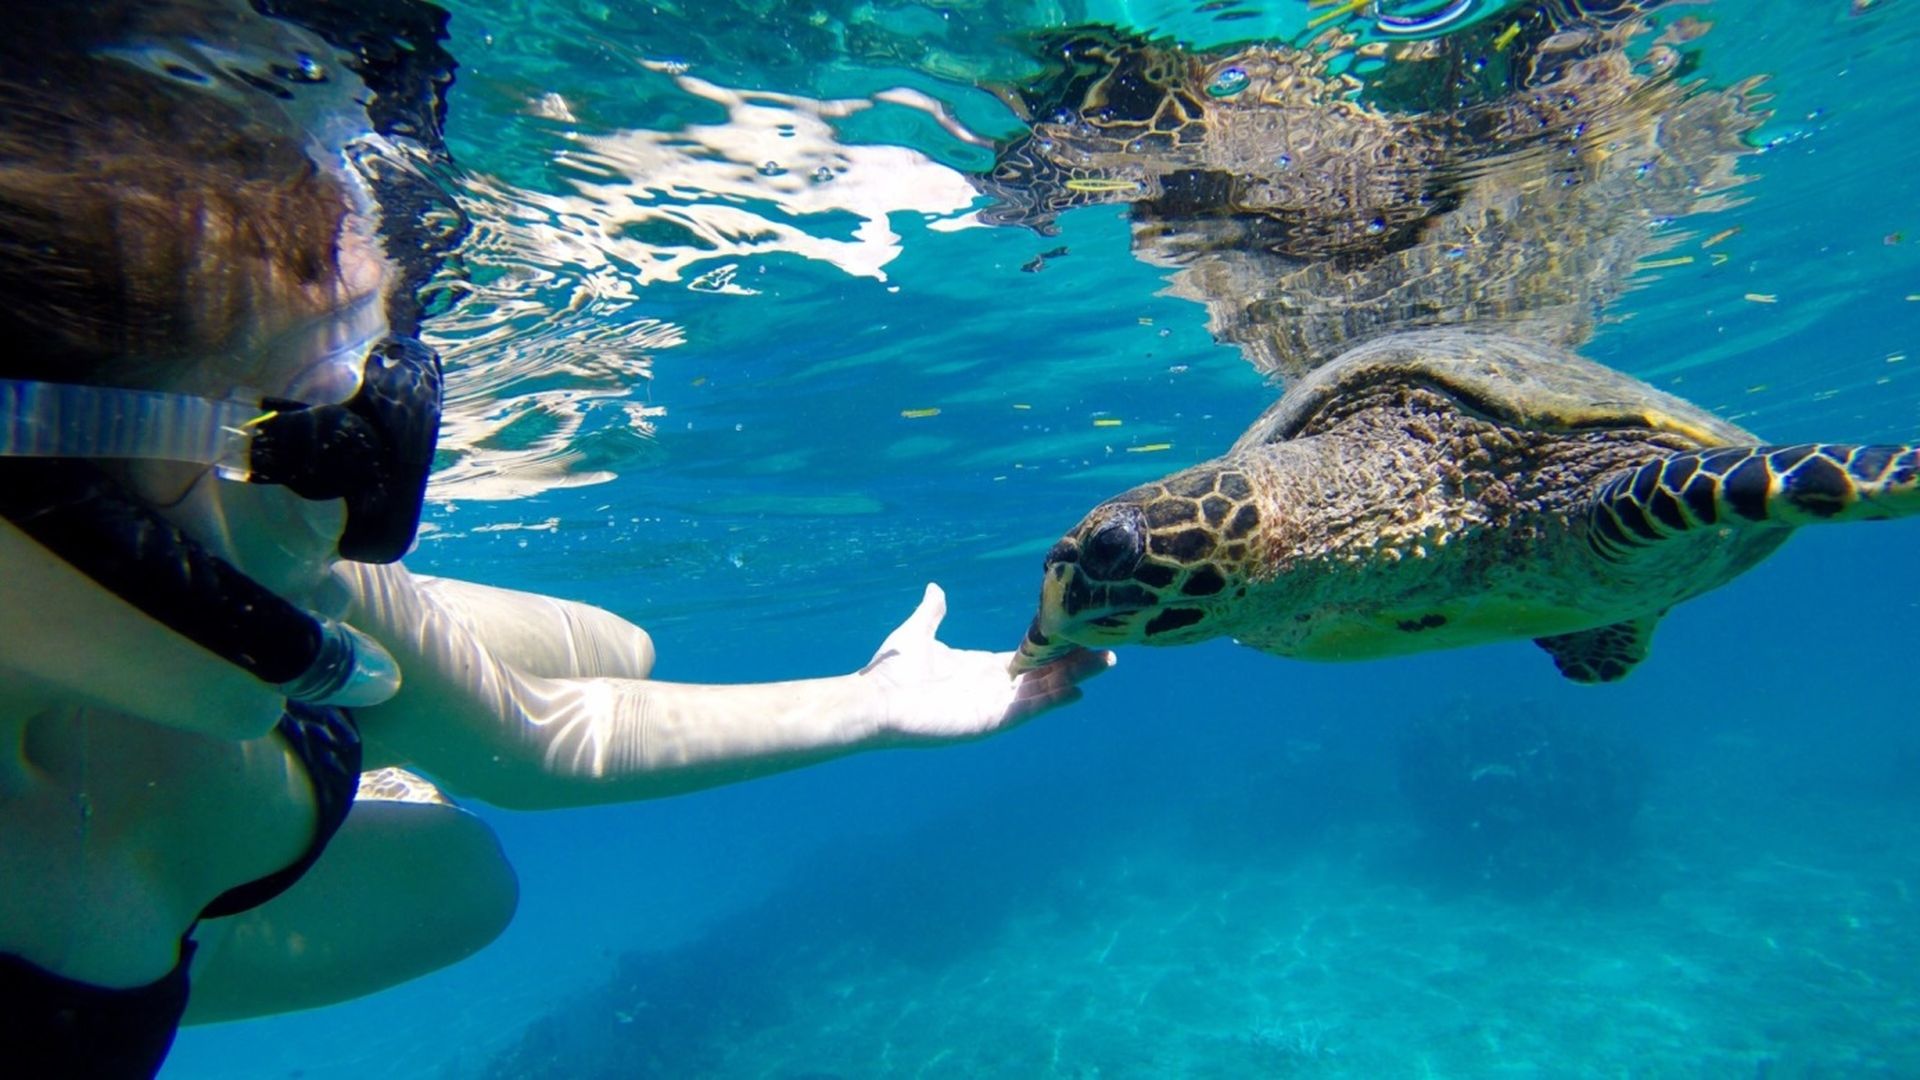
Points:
x=1807 y=484
x=1604 y=653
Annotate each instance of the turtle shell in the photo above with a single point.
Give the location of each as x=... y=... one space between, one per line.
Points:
x=1509 y=381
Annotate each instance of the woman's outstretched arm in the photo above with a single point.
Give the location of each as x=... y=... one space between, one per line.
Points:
x=483 y=725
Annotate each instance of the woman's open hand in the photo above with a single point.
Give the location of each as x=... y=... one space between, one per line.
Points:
x=936 y=693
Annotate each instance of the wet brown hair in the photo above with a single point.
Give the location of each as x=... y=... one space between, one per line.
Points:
x=143 y=220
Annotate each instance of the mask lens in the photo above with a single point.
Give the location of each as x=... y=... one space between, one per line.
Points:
x=338 y=349
x=374 y=450
x=400 y=396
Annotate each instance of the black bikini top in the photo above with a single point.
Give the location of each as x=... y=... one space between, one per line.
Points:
x=328 y=744
x=56 y=1027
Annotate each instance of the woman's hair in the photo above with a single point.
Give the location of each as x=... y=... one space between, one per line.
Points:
x=141 y=219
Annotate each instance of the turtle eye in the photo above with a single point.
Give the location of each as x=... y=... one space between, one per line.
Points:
x=1114 y=549
x=1228 y=82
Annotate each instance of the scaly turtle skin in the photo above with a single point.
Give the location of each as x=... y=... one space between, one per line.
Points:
x=1435 y=489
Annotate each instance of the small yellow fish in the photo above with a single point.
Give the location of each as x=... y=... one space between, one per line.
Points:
x=1098 y=185
x=1662 y=264
x=1022 y=406
x=1719 y=257
x=1150 y=448
x=1506 y=37
x=1106 y=421
x=919 y=414
x=1719 y=236
x=1763 y=298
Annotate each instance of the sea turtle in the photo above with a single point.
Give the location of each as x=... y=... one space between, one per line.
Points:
x=1439 y=488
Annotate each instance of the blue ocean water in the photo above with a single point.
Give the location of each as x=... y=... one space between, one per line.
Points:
x=692 y=386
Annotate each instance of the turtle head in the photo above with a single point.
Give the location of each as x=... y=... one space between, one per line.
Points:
x=1155 y=565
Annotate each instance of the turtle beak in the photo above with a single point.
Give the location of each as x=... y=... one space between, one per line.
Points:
x=1039 y=648
x=1043 y=643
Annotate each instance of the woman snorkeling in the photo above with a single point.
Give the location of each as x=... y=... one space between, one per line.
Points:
x=217 y=221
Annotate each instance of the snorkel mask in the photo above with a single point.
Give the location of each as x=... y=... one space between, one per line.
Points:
x=360 y=89
x=373 y=449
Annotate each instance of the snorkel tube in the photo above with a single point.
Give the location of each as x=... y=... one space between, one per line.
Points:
x=373 y=451
x=80 y=514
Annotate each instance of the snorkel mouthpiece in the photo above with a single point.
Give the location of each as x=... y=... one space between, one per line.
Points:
x=351 y=671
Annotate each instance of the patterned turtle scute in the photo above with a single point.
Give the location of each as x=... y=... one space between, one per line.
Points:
x=1818 y=486
x=1171 y=512
x=1760 y=485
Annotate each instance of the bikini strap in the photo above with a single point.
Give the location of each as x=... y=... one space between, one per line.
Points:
x=328 y=743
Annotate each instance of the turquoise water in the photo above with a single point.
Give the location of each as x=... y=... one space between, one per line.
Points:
x=1215 y=864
